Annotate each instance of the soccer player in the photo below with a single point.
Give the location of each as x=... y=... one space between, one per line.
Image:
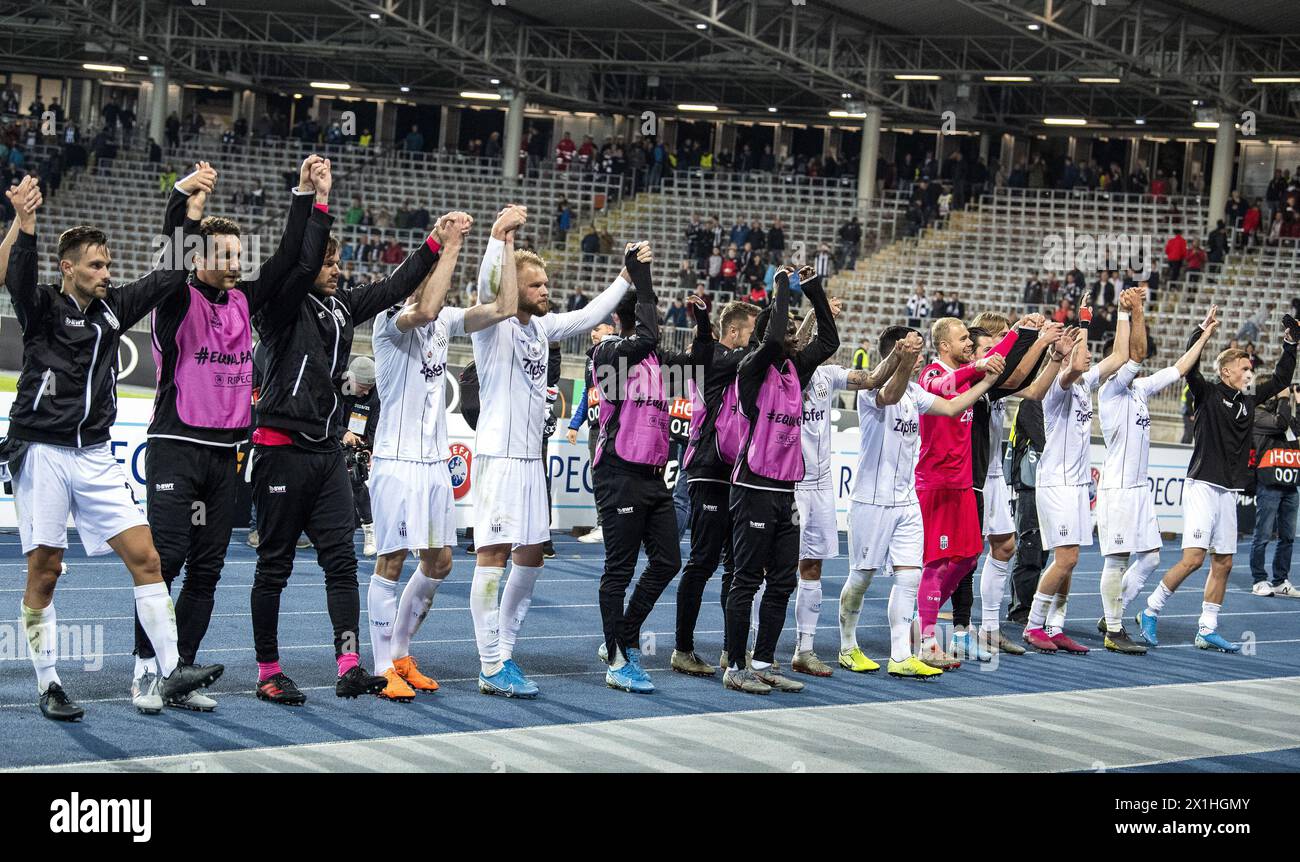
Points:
x=1224 y=421
x=628 y=471
x=885 y=516
x=992 y=498
x=58 y=451
x=710 y=455
x=770 y=383
x=299 y=474
x=944 y=478
x=511 y=517
x=1126 y=522
x=1064 y=512
x=203 y=349
x=415 y=509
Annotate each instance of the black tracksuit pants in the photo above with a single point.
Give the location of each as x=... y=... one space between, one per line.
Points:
x=765 y=539
x=296 y=491
x=1027 y=565
x=191 y=513
x=637 y=510
x=710 y=544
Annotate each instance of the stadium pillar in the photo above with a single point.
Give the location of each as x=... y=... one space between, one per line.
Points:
x=514 y=136
x=158 y=104
x=1225 y=147
x=867 y=157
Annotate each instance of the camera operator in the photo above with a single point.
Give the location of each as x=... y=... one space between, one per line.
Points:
x=359 y=416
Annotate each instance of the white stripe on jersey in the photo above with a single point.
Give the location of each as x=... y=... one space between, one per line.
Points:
x=997 y=427
x=511 y=359
x=1067 y=419
x=1126 y=424
x=411 y=374
x=816 y=430
x=889 y=442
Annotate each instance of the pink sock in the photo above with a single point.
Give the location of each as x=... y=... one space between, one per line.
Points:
x=347 y=661
x=930 y=596
x=267 y=669
x=956 y=572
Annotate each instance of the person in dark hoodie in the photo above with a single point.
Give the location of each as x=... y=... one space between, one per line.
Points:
x=203 y=349
x=769 y=383
x=299 y=474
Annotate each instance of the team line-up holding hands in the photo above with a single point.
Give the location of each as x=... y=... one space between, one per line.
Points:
x=928 y=487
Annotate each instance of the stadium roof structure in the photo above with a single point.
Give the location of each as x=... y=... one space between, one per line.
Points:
x=1112 y=63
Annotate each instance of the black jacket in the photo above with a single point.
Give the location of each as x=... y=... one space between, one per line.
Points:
x=1224 y=421
x=308 y=339
x=1273 y=419
x=67 y=390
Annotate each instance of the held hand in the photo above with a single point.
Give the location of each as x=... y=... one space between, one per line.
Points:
x=806 y=274
x=836 y=304
x=993 y=364
x=202 y=178
x=509 y=220
x=305 y=173
x=911 y=345
x=1049 y=332
x=322 y=180
x=194 y=206
x=1210 y=317
x=571 y=435
x=25 y=198
x=644 y=254
x=696 y=302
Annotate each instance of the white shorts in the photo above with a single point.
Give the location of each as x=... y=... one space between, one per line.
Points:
x=1209 y=517
x=1063 y=516
x=819 y=536
x=998 y=520
x=88 y=484
x=1126 y=520
x=880 y=534
x=413 y=503
x=510 y=502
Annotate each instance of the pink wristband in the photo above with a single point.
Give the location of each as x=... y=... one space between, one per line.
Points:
x=325 y=208
x=433 y=244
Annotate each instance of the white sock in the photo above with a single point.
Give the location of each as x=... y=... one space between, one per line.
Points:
x=42 y=630
x=1156 y=601
x=619 y=660
x=1038 y=610
x=412 y=608
x=144 y=666
x=381 y=606
x=993 y=583
x=1135 y=577
x=851 y=596
x=760 y=665
x=753 y=610
x=1209 y=621
x=484 y=610
x=516 y=599
x=902 y=608
x=158 y=619
x=1112 y=587
x=1056 y=615
x=807 y=609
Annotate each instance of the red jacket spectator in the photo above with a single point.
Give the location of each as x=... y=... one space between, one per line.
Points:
x=564 y=152
x=1159 y=188
x=394 y=253
x=1250 y=222
x=1176 y=248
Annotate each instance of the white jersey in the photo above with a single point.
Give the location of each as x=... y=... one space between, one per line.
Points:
x=997 y=426
x=1126 y=423
x=411 y=373
x=889 y=442
x=816 y=428
x=1067 y=419
x=511 y=358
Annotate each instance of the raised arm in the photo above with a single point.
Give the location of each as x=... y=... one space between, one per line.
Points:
x=313 y=190
x=432 y=293
x=1137 y=335
x=645 y=336
x=957 y=380
x=861 y=378
x=1059 y=350
x=561 y=326
x=960 y=404
x=904 y=356
x=1192 y=357
x=18 y=251
x=756 y=363
x=827 y=341
x=1120 y=352
x=1282 y=372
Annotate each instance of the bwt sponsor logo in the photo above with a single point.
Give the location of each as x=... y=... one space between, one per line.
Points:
x=1091 y=252
x=130 y=816
x=82 y=643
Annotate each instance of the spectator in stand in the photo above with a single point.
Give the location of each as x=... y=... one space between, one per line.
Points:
x=393 y=252
x=563 y=218
x=1218 y=242
x=676 y=314
x=586 y=155
x=956 y=308
x=166 y=179
x=823 y=264
x=1255 y=361
x=590 y=244
x=918 y=308
x=1033 y=295
x=776 y=241
x=1290 y=226
x=1175 y=254
x=1195 y=263
x=564 y=152
x=757 y=239
x=915 y=217
x=1251 y=326
x=1276 y=190
x=686 y=276
x=577 y=299
x=730 y=270
x=850 y=242
x=1274 y=229
x=715 y=270
x=1235 y=210
x=695 y=237
x=1064 y=312
x=758 y=295
x=414 y=142
x=492 y=149
x=705 y=296
x=739 y=234
x=1159 y=186
x=1250 y=223
x=355 y=213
